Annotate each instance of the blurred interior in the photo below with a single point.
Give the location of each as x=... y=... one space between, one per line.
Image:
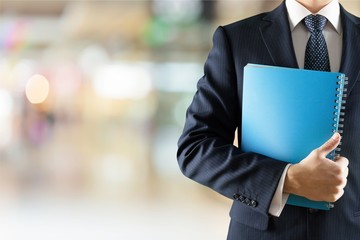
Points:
x=93 y=97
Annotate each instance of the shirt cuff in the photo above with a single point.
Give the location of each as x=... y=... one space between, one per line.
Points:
x=279 y=200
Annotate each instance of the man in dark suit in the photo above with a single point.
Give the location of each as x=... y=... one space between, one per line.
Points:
x=258 y=184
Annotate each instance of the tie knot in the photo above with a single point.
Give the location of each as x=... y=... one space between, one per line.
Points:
x=315 y=23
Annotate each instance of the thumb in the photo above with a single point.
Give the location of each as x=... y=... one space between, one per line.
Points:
x=330 y=144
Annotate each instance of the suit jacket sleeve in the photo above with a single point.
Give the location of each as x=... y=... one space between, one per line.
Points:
x=206 y=152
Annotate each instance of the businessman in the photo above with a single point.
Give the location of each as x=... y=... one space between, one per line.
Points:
x=312 y=34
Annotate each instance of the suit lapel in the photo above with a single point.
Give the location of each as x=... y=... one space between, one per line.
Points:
x=275 y=32
x=351 y=48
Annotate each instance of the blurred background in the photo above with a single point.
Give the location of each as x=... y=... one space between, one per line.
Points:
x=93 y=97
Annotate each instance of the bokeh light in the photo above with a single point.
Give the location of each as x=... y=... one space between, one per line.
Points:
x=6 y=111
x=37 y=89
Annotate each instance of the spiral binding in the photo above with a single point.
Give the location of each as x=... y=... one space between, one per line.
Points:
x=339 y=113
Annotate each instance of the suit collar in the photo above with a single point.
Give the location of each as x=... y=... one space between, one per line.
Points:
x=277 y=37
x=351 y=47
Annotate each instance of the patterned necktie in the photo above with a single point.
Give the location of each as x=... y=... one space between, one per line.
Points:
x=316 y=54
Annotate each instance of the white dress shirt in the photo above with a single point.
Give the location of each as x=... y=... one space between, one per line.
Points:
x=300 y=35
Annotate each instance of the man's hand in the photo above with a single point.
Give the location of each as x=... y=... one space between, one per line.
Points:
x=316 y=177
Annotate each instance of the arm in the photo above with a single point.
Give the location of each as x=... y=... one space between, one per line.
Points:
x=206 y=152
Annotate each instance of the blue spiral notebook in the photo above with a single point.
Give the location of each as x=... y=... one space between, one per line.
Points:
x=288 y=112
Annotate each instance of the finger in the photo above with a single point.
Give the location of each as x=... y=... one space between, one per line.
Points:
x=330 y=144
x=344 y=163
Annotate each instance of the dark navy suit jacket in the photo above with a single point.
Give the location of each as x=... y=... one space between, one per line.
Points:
x=205 y=149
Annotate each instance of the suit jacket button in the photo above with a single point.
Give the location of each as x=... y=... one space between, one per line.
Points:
x=236 y=196
x=247 y=201
x=253 y=203
x=242 y=199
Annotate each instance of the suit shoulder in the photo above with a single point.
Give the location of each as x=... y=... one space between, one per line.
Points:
x=247 y=24
x=352 y=17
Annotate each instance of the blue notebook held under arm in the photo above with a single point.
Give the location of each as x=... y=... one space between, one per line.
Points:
x=288 y=112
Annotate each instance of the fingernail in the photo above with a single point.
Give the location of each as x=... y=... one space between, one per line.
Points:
x=335 y=136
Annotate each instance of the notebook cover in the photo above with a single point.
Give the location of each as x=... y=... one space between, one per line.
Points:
x=288 y=112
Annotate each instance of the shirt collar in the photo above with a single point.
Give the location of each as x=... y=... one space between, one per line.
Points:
x=297 y=12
